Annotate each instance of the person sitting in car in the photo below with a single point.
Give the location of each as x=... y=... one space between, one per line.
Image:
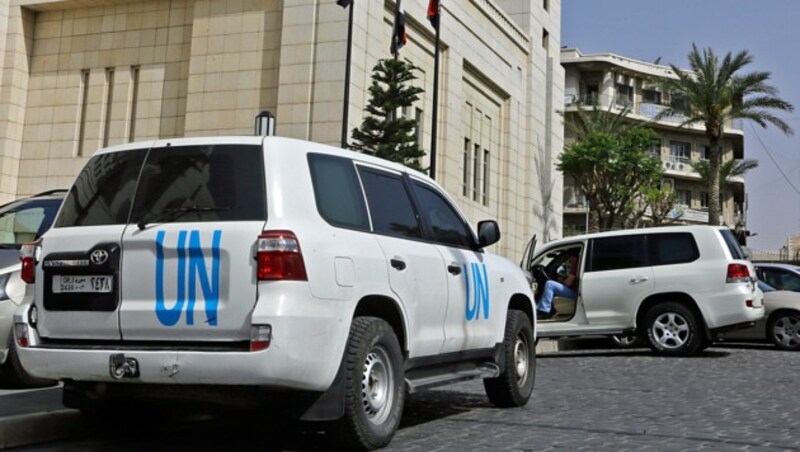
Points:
x=567 y=286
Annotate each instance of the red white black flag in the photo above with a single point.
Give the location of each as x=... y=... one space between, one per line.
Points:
x=399 y=30
x=434 y=6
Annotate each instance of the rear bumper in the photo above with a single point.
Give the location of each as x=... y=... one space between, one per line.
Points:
x=301 y=356
x=730 y=308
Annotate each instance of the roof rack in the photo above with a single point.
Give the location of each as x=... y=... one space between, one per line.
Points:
x=52 y=192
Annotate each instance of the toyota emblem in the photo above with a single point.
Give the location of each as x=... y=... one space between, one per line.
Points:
x=99 y=257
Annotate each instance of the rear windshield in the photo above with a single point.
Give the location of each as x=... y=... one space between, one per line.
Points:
x=201 y=184
x=103 y=192
x=733 y=245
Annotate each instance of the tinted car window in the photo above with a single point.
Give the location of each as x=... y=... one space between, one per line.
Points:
x=103 y=192
x=338 y=192
x=389 y=204
x=447 y=226
x=614 y=253
x=782 y=279
x=24 y=221
x=733 y=245
x=672 y=248
x=223 y=183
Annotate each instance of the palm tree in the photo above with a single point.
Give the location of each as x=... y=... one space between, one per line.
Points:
x=583 y=122
x=714 y=92
x=729 y=169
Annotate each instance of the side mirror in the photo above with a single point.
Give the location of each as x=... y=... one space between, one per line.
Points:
x=488 y=233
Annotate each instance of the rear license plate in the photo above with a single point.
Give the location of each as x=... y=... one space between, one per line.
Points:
x=82 y=284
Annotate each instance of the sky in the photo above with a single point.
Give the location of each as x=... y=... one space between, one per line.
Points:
x=768 y=29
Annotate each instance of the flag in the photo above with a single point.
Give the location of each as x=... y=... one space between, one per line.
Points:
x=344 y=3
x=399 y=30
x=433 y=12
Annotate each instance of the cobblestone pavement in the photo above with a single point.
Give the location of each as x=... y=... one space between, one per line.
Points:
x=736 y=397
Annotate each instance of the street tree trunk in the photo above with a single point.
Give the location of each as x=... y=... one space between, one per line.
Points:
x=714 y=163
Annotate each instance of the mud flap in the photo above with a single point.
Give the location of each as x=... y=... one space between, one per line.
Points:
x=329 y=405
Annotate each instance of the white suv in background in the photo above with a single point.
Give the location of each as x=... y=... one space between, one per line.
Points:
x=677 y=287
x=269 y=266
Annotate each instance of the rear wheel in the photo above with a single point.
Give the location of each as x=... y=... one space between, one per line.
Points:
x=673 y=329
x=783 y=330
x=514 y=386
x=374 y=385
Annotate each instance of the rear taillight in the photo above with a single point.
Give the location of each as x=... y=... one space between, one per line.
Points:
x=260 y=337
x=738 y=273
x=29 y=255
x=21 y=333
x=279 y=257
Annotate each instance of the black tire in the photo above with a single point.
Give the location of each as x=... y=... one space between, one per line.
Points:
x=673 y=330
x=15 y=376
x=783 y=330
x=514 y=386
x=374 y=385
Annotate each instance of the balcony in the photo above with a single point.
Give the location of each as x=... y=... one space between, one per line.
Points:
x=650 y=111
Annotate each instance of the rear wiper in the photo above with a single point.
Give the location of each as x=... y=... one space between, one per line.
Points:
x=168 y=215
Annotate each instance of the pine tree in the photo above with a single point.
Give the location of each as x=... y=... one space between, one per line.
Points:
x=384 y=133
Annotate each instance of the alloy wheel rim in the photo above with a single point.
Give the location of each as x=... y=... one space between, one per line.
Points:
x=377 y=381
x=787 y=331
x=521 y=359
x=671 y=330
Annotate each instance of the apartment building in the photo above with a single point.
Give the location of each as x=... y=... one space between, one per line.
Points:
x=77 y=75
x=615 y=82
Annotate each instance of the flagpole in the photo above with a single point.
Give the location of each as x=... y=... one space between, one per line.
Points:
x=346 y=107
x=435 y=113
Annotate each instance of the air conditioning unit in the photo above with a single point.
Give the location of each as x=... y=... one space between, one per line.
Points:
x=668 y=165
x=680 y=166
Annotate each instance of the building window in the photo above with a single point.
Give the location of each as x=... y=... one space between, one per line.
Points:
x=476 y=156
x=679 y=151
x=546 y=5
x=485 y=191
x=655 y=148
x=84 y=88
x=684 y=197
x=545 y=39
x=109 y=105
x=651 y=96
x=705 y=151
x=704 y=199
x=465 y=168
x=418 y=127
x=135 y=70
x=591 y=94
x=624 y=95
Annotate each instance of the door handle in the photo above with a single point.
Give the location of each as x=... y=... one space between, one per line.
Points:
x=398 y=263
x=638 y=279
x=454 y=269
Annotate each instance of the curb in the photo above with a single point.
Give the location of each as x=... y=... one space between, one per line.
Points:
x=34 y=428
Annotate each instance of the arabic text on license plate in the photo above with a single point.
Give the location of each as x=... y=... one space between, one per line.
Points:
x=81 y=284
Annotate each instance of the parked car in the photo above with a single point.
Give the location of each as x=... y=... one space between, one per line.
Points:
x=21 y=221
x=780 y=276
x=252 y=267
x=780 y=325
x=676 y=287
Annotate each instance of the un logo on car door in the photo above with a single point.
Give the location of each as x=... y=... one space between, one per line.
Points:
x=191 y=265
x=475 y=276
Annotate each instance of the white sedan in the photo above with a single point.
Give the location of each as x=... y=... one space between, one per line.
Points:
x=781 y=323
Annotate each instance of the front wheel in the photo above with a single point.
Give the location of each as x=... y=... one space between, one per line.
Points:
x=374 y=385
x=783 y=329
x=514 y=386
x=673 y=330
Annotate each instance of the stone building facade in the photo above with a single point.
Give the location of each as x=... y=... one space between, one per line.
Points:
x=78 y=75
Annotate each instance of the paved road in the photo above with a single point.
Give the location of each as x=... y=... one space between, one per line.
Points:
x=730 y=398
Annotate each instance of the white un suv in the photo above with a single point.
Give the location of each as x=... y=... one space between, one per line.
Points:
x=677 y=287
x=268 y=266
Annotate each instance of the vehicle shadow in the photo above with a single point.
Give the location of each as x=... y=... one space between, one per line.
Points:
x=627 y=353
x=255 y=430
